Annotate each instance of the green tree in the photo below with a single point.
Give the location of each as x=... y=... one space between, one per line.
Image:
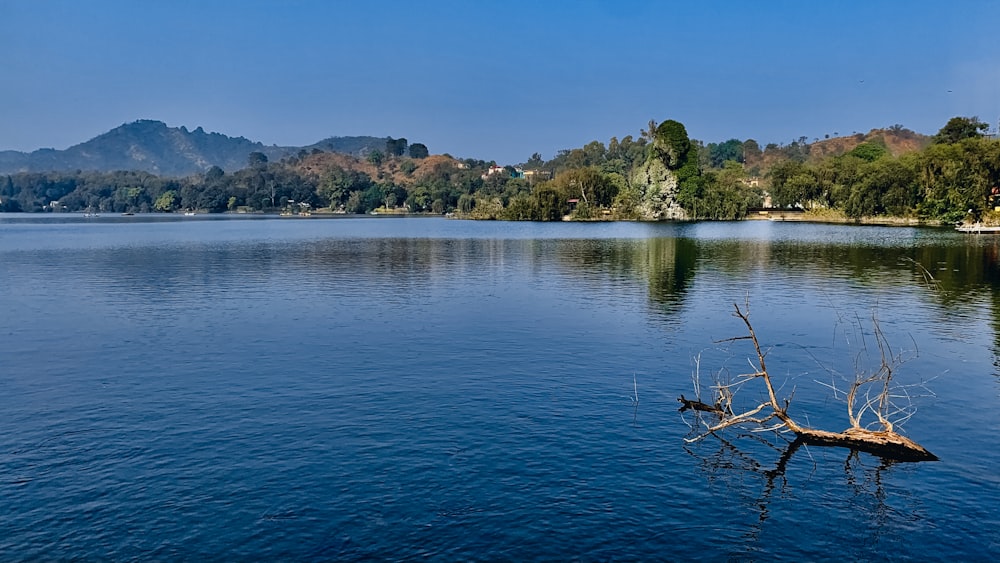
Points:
x=418 y=150
x=752 y=156
x=589 y=185
x=8 y=203
x=465 y=203
x=420 y=199
x=215 y=173
x=870 y=151
x=336 y=184
x=623 y=157
x=375 y=157
x=895 y=182
x=726 y=195
x=520 y=208
x=550 y=203
x=256 y=161
x=354 y=203
x=959 y=128
x=958 y=177
x=784 y=190
x=395 y=147
x=167 y=201
x=729 y=150
x=535 y=162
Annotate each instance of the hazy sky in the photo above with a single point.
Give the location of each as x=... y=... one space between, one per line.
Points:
x=493 y=80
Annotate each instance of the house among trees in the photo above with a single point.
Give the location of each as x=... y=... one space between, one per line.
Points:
x=516 y=172
x=533 y=176
x=493 y=169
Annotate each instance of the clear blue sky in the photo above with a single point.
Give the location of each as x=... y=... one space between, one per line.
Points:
x=493 y=80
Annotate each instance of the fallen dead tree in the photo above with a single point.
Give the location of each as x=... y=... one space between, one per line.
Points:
x=771 y=414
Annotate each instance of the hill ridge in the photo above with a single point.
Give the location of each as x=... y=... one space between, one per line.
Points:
x=152 y=146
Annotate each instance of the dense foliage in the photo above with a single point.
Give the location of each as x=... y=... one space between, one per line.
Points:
x=956 y=175
x=631 y=178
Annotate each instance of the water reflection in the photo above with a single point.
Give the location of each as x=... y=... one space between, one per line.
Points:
x=959 y=278
x=666 y=266
x=329 y=379
x=764 y=480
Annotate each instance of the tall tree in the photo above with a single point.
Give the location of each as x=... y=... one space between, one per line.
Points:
x=959 y=128
x=418 y=150
x=752 y=155
x=395 y=147
x=729 y=150
x=589 y=185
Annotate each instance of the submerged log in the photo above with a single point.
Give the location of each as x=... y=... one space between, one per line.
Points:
x=889 y=445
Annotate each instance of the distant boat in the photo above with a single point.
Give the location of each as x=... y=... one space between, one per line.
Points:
x=127 y=214
x=189 y=213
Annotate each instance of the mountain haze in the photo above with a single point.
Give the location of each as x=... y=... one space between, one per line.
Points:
x=152 y=146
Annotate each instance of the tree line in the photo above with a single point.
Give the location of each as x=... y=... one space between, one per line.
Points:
x=958 y=174
x=629 y=178
x=261 y=186
x=955 y=175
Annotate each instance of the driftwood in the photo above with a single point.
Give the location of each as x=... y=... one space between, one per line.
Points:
x=885 y=442
x=688 y=404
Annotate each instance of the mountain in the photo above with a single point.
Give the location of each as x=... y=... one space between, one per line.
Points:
x=154 y=147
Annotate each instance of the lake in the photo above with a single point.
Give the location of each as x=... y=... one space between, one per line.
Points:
x=226 y=388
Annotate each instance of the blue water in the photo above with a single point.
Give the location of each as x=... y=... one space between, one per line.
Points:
x=375 y=388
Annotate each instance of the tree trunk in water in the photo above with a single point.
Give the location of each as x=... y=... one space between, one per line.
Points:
x=881 y=443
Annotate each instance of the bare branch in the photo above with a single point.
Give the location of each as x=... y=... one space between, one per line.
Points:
x=733 y=421
x=871 y=395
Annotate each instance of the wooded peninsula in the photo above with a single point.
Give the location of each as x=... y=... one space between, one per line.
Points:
x=662 y=174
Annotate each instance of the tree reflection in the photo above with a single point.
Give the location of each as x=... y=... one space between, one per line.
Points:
x=672 y=266
x=758 y=474
x=965 y=272
x=992 y=261
x=666 y=264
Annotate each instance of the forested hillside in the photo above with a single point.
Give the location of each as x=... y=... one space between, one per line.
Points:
x=661 y=173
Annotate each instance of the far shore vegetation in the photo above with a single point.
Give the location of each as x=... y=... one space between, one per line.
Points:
x=887 y=176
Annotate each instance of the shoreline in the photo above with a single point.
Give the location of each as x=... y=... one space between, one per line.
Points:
x=760 y=215
x=826 y=216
